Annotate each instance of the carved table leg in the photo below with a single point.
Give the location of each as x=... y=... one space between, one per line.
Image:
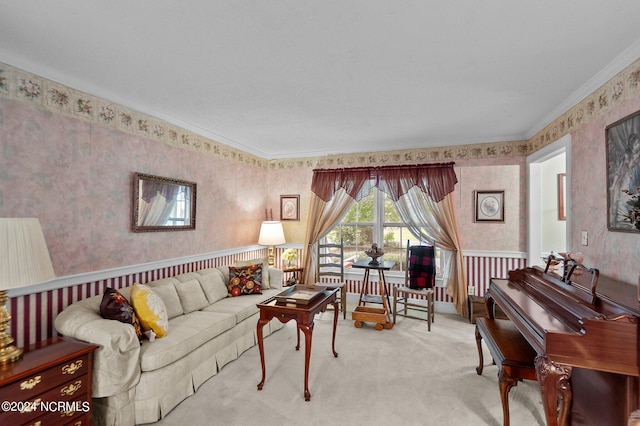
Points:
x=555 y=389
x=505 y=383
x=261 y=324
x=480 y=356
x=308 y=332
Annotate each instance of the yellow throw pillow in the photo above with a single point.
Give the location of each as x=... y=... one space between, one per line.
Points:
x=150 y=309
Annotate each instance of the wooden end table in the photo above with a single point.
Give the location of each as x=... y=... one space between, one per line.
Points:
x=303 y=315
x=296 y=274
x=381 y=316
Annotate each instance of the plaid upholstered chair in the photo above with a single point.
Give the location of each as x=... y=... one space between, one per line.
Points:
x=419 y=280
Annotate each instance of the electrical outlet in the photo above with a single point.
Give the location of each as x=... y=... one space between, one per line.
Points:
x=471 y=289
x=585 y=238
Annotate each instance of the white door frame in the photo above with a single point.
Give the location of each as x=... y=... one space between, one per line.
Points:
x=534 y=238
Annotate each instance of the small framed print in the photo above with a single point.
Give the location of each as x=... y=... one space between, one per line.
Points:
x=562 y=197
x=489 y=206
x=289 y=207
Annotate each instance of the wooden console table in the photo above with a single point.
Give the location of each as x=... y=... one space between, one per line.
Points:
x=380 y=316
x=303 y=315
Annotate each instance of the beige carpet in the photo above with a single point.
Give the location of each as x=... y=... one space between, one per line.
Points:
x=405 y=375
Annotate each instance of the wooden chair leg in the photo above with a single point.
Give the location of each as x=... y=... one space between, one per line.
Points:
x=343 y=296
x=395 y=303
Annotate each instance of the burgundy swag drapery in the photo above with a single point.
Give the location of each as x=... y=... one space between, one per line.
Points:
x=437 y=180
x=334 y=188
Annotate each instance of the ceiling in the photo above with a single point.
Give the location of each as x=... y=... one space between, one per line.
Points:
x=294 y=78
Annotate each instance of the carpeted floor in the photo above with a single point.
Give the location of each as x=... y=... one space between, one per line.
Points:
x=405 y=375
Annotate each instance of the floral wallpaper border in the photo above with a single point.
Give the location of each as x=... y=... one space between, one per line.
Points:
x=30 y=88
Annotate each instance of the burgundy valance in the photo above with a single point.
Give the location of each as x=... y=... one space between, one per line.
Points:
x=437 y=180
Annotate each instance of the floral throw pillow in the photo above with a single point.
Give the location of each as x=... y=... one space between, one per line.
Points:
x=245 y=280
x=116 y=307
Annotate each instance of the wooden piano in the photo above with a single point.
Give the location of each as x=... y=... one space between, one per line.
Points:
x=586 y=340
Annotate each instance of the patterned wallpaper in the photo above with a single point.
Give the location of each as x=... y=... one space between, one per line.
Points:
x=27 y=87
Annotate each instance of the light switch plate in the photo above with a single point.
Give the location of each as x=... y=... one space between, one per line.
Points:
x=585 y=238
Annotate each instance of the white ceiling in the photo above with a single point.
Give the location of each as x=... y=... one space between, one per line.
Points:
x=292 y=78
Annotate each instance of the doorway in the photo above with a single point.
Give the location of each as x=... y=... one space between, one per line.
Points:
x=548 y=227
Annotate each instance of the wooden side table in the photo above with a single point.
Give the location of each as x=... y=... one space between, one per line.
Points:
x=478 y=309
x=303 y=315
x=296 y=275
x=381 y=316
x=51 y=384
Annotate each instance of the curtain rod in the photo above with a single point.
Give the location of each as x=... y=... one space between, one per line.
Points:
x=399 y=166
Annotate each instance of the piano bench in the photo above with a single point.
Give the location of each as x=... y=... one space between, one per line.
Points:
x=511 y=353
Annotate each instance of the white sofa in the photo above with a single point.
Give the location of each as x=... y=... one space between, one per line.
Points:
x=135 y=383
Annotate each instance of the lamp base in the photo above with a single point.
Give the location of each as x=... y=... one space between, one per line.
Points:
x=8 y=352
x=271 y=257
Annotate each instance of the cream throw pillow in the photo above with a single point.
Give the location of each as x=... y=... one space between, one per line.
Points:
x=150 y=309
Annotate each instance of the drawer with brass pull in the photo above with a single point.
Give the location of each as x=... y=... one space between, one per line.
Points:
x=50 y=385
x=44 y=380
x=65 y=401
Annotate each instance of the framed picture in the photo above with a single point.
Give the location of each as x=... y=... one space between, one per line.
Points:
x=623 y=174
x=289 y=207
x=562 y=196
x=489 y=206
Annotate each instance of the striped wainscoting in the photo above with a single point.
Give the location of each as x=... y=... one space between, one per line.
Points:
x=354 y=286
x=33 y=313
x=482 y=266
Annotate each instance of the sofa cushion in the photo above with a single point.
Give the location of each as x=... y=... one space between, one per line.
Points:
x=192 y=297
x=213 y=284
x=115 y=306
x=224 y=270
x=165 y=288
x=150 y=309
x=245 y=280
x=265 y=269
x=188 y=332
x=242 y=307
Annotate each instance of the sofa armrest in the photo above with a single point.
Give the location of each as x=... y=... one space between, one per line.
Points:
x=116 y=364
x=276 y=277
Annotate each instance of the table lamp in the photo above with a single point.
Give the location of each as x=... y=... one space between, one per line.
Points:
x=24 y=260
x=271 y=234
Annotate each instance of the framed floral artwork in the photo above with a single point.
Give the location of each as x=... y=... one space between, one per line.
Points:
x=623 y=174
x=489 y=206
x=289 y=207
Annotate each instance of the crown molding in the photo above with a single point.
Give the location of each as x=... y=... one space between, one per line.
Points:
x=626 y=58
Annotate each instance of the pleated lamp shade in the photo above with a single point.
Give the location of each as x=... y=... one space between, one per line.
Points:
x=271 y=234
x=24 y=257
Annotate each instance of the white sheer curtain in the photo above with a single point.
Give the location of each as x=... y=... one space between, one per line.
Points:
x=437 y=222
x=322 y=216
x=156 y=211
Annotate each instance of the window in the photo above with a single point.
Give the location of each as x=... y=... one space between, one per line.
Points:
x=374 y=219
x=180 y=210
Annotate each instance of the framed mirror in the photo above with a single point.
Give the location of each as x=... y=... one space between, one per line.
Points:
x=163 y=204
